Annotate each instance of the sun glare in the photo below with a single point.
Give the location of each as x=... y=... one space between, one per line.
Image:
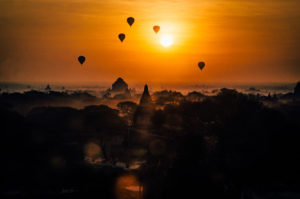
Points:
x=166 y=40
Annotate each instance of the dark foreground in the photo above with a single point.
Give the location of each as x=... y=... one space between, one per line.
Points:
x=230 y=145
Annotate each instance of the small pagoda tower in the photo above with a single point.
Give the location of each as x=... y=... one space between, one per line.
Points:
x=144 y=112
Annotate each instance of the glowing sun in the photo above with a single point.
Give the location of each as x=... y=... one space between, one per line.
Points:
x=166 y=40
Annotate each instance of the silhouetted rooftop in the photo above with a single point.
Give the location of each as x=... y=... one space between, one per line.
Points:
x=119 y=85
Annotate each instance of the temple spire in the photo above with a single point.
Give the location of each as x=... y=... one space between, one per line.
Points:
x=146 y=98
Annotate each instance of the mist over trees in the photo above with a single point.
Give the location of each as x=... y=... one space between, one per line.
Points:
x=177 y=146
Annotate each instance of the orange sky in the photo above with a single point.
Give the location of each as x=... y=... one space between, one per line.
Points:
x=240 y=41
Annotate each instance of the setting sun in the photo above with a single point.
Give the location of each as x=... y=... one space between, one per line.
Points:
x=138 y=99
x=166 y=40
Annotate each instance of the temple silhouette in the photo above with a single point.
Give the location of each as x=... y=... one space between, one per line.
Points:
x=144 y=112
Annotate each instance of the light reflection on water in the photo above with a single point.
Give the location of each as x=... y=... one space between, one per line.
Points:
x=128 y=187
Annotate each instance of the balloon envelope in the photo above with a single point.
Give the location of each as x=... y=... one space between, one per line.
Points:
x=156 y=29
x=121 y=37
x=130 y=20
x=81 y=59
x=201 y=65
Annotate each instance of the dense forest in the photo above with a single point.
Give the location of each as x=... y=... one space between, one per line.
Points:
x=169 y=145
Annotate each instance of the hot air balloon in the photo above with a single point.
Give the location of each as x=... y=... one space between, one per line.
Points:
x=130 y=20
x=156 y=29
x=201 y=65
x=81 y=59
x=121 y=37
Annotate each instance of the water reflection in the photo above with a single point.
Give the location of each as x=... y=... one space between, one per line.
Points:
x=128 y=187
